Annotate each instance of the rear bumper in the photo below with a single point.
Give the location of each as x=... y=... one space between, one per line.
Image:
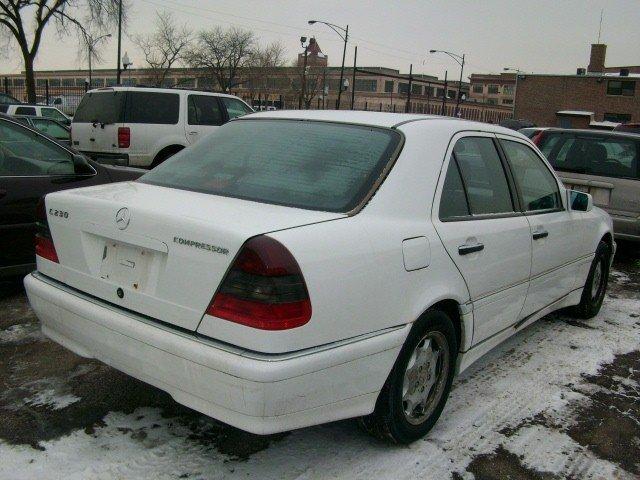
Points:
x=120 y=159
x=626 y=228
x=255 y=392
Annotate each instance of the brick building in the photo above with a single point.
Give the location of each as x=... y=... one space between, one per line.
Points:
x=493 y=89
x=597 y=96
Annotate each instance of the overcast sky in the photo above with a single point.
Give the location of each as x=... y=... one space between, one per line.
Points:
x=541 y=36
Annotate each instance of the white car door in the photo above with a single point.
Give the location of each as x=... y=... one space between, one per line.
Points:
x=483 y=232
x=204 y=115
x=557 y=234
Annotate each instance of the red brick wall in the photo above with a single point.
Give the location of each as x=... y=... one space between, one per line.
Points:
x=539 y=97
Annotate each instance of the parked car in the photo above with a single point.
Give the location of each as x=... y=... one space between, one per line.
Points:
x=68 y=104
x=32 y=165
x=275 y=284
x=605 y=164
x=143 y=127
x=48 y=126
x=6 y=99
x=36 y=111
x=628 y=127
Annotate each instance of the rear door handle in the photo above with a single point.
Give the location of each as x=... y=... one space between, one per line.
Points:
x=540 y=234
x=467 y=249
x=193 y=133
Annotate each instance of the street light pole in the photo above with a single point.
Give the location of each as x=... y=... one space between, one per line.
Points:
x=459 y=59
x=515 y=88
x=119 y=70
x=345 y=38
x=304 y=71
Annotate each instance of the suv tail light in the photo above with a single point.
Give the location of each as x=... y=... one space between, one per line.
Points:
x=44 y=243
x=263 y=289
x=124 y=137
x=537 y=139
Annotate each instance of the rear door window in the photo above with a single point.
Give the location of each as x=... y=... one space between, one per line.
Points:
x=483 y=176
x=152 y=107
x=453 y=201
x=204 y=110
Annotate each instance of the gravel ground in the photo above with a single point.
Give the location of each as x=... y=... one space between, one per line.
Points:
x=559 y=400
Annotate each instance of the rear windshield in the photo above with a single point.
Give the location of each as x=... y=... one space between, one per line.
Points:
x=129 y=107
x=312 y=165
x=594 y=155
x=103 y=107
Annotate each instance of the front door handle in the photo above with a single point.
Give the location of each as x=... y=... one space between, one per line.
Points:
x=467 y=249
x=540 y=234
x=193 y=133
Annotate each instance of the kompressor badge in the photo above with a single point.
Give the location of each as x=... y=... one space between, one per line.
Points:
x=201 y=245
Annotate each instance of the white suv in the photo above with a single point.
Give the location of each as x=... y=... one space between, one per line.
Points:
x=143 y=127
x=36 y=111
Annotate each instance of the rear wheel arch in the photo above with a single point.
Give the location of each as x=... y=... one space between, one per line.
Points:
x=165 y=153
x=452 y=309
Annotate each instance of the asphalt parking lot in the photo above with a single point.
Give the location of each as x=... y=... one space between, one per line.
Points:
x=559 y=400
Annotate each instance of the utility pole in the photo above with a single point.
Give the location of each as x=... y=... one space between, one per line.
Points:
x=353 y=86
x=407 y=107
x=304 y=71
x=444 y=94
x=119 y=71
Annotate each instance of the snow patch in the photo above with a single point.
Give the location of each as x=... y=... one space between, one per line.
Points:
x=21 y=333
x=50 y=398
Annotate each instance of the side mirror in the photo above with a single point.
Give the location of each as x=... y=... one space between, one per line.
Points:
x=80 y=165
x=579 y=201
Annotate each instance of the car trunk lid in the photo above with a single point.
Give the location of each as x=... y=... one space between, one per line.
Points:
x=154 y=250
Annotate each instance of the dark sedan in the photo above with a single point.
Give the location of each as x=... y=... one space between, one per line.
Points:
x=32 y=165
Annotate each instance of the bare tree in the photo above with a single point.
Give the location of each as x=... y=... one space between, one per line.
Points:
x=262 y=67
x=222 y=53
x=164 y=47
x=26 y=20
x=313 y=85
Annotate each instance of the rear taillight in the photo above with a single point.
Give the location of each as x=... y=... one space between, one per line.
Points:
x=124 y=137
x=44 y=243
x=537 y=139
x=263 y=289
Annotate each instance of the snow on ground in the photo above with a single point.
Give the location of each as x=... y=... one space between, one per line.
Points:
x=540 y=371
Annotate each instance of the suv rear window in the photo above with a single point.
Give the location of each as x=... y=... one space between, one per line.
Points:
x=103 y=107
x=593 y=155
x=304 y=164
x=128 y=107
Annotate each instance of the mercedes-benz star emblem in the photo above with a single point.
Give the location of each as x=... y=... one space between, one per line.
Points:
x=122 y=218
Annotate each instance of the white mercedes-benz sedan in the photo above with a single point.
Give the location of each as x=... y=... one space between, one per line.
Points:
x=294 y=268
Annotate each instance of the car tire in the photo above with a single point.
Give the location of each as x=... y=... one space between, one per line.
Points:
x=596 y=285
x=396 y=416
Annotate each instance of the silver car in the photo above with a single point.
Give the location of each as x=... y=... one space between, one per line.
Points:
x=605 y=164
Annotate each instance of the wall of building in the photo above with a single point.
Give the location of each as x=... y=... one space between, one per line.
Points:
x=540 y=97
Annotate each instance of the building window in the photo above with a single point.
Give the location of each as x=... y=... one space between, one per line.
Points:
x=492 y=101
x=68 y=82
x=618 y=87
x=493 y=89
x=366 y=85
x=478 y=88
x=388 y=86
x=507 y=89
x=403 y=88
x=440 y=92
x=18 y=82
x=617 y=117
x=507 y=101
x=451 y=94
x=416 y=89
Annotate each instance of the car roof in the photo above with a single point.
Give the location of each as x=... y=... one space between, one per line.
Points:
x=591 y=131
x=159 y=90
x=375 y=119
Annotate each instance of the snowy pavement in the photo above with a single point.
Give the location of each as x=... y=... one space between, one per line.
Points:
x=559 y=400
